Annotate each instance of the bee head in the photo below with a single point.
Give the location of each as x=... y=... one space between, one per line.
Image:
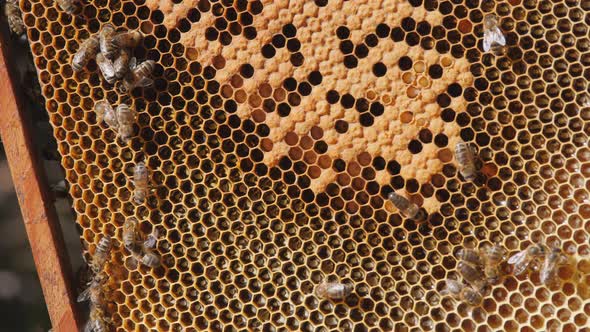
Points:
x=490 y=21
x=538 y=250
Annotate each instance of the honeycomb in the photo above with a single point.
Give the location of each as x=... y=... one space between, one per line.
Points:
x=274 y=132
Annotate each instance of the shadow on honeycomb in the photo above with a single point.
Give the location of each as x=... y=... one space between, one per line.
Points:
x=275 y=130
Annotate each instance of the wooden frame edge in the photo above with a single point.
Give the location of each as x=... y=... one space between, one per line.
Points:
x=36 y=204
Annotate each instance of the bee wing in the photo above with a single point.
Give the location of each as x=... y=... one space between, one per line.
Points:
x=492 y=37
x=452 y=287
x=151 y=240
x=498 y=36
x=548 y=266
x=145 y=81
x=487 y=43
x=89 y=326
x=132 y=63
x=519 y=257
x=99 y=108
x=84 y=296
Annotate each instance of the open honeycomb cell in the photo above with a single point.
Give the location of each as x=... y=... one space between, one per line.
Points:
x=274 y=132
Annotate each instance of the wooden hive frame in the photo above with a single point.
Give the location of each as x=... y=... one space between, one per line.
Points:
x=38 y=212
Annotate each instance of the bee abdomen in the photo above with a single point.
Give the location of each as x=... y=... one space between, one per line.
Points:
x=140 y=179
x=127 y=39
x=472 y=297
x=470 y=256
x=106 y=68
x=121 y=64
x=145 y=68
x=104 y=245
x=466 y=161
x=333 y=290
x=107 y=47
x=471 y=274
x=407 y=208
x=88 y=49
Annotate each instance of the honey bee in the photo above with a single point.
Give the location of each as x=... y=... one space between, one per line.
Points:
x=493 y=38
x=88 y=50
x=107 y=47
x=93 y=292
x=84 y=276
x=106 y=68
x=101 y=254
x=138 y=75
x=97 y=322
x=333 y=290
x=493 y=257
x=69 y=6
x=461 y=292
x=466 y=160
x=141 y=250
x=472 y=275
x=105 y=112
x=130 y=234
x=14 y=18
x=523 y=259
x=548 y=274
x=125 y=118
x=140 y=180
x=406 y=208
x=121 y=64
x=128 y=39
x=470 y=256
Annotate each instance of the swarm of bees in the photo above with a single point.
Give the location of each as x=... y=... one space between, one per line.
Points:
x=407 y=208
x=333 y=290
x=112 y=51
x=14 y=18
x=493 y=38
x=479 y=269
x=140 y=247
x=95 y=290
x=538 y=253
